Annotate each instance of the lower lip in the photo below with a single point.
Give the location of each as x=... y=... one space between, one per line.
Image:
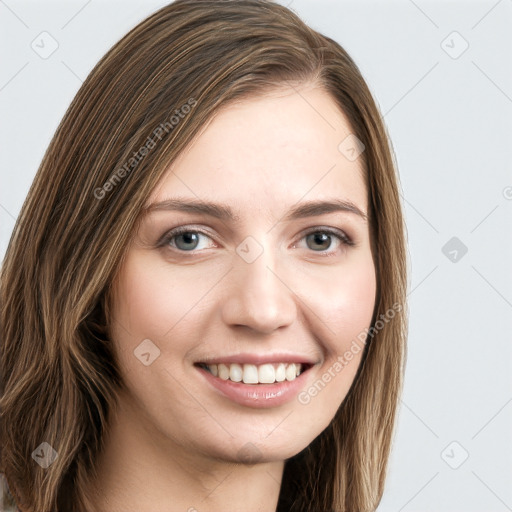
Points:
x=257 y=395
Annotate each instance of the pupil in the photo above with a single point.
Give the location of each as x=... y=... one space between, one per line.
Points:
x=325 y=237
x=189 y=238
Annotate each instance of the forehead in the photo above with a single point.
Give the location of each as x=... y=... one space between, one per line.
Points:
x=265 y=152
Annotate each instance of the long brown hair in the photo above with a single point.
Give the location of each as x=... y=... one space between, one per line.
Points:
x=59 y=375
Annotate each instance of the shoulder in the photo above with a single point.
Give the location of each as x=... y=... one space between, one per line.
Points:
x=7 y=503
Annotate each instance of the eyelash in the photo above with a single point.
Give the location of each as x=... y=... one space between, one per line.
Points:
x=169 y=236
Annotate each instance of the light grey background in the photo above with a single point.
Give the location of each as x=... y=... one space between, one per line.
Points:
x=449 y=114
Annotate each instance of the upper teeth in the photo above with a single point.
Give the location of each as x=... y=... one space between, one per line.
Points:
x=256 y=374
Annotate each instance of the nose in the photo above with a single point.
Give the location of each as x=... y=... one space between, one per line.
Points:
x=257 y=296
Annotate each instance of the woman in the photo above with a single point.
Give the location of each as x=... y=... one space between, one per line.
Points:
x=259 y=368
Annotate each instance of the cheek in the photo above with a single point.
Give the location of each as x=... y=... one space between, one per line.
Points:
x=356 y=300
x=344 y=312
x=152 y=301
x=343 y=303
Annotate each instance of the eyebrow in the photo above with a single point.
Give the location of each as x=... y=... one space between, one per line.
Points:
x=225 y=213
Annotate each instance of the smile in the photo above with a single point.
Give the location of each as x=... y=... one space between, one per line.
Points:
x=263 y=382
x=267 y=373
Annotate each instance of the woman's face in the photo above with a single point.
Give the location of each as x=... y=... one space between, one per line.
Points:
x=284 y=283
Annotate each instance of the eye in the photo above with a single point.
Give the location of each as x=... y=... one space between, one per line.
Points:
x=184 y=239
x=321 y=239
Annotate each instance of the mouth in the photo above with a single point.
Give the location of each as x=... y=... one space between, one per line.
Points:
x=254 y=374
x=257 y=381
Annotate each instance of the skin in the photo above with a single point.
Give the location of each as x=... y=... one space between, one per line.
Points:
x=174 y=439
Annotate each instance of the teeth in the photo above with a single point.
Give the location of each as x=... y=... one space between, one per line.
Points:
x=291 y=372
x=266 y=374
x=235 y=373
x=253 y=374
x=250 y=374
x=280 y=372
x=223 y=371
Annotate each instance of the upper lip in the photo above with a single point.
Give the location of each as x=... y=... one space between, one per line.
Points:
x=258 y=359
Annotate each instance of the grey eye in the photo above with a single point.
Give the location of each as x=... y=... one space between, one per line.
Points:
x=186 y=240
x=321 y=239
x=190 y=240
